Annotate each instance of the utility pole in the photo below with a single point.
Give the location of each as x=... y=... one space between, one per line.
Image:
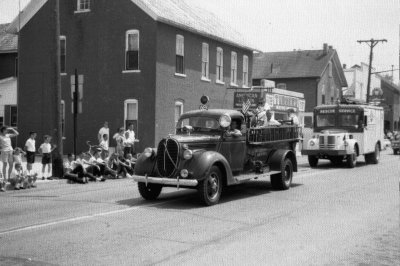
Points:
x=371 y=43
x=57 y=85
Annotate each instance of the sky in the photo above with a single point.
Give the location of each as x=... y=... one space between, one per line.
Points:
x=285 y=25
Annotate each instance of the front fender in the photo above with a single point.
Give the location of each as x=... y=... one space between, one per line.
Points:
x=277 y=157
x=145 y=165
x=201 y=162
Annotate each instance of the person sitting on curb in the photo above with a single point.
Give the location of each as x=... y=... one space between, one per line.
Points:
x=17 y=178
x=74 y=171
x=104 y=170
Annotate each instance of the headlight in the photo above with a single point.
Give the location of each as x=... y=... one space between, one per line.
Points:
x=312 y=143
x=148 y=152
x=184 y=173
x=187 y=154
x=225 y=121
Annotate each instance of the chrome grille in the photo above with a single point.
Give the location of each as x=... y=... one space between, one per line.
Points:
x=327 y=142
x=167 y=157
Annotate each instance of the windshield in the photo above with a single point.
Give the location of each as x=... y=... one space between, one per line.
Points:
x=199 y=124
x=350 y=120
x=327 y=120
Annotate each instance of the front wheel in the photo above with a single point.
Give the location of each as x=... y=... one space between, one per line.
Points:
x=149 y=192
x=283 y=180
x=351 y=160
x=313 y=160
x=210 y=189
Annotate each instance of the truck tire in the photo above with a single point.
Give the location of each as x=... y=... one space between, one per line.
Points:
x=210 y=189
x=149 y=192
x=283 y=180
x=351 y=160
x=373 y=158
x=312 y=160
x=336 y=160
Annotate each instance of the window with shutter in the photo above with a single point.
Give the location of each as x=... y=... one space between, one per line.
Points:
x=132 y=50
x=245 y=71
x=220 y=64
x=180 y=53
x=205 y=61
x=234 y=68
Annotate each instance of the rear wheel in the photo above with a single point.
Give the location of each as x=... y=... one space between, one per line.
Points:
x=210 y=189
x=149 y=192
x=313 y=160
x=283 y=180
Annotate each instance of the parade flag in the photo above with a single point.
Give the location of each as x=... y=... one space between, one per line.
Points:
x=246 y=105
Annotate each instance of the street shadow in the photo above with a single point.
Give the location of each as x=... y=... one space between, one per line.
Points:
x=326 y=165
x=188 y=198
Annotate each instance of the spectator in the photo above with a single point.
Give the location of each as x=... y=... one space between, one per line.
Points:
x=88 y=169
x=104 y=130
x=30 y=148
x=74 y=171
x=103 y=166
x=293 y=117
x=2 y=183
x=126 y=168
x=121 y=141
x=104 y=146
x=17 y=177
x=45 y=149
x=130 y=140
x=7 y=149
x=17 y=155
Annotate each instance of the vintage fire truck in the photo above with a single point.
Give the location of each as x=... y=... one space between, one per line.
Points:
x=343 y=132
x=204 y=155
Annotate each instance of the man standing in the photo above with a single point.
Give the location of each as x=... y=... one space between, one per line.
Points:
x=104 y=131
x=7 y=149
x=293 y=117
x=130 y=140
x=30 y=148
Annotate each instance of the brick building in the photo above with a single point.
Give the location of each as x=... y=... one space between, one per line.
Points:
x=143 y=62
x=318 y=74
x=8 y=77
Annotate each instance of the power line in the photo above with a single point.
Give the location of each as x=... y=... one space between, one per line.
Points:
x=371 y=43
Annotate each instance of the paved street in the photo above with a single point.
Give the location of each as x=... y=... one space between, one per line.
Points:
x=331 y=216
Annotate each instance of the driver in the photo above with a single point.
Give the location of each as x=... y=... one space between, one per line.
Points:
x=234 y=130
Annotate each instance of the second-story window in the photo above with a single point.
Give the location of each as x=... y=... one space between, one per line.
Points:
x=245 y=70
x=180 y=55
x=63 y=54
x=205 y=61
x=83 y=5
x=234 y=68
x=220 y=64
x=132 y=50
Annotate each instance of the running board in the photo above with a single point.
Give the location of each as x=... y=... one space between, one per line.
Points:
x=246 y=177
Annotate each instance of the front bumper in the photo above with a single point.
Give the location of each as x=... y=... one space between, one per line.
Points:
x=325 y=152
x=166 y=181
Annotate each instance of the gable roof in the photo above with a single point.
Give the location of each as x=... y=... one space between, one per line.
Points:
x=177 y=13
x=296 y=64
x=8 y=41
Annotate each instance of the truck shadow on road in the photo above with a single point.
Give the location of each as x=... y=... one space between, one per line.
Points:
x=188 y=199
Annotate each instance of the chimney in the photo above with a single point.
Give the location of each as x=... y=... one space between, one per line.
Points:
x=330 y=47
x=344 y=66
x=325 y=49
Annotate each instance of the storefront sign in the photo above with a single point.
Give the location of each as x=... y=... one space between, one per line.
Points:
x=241 y=97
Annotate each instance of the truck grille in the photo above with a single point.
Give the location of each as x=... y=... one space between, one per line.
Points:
x=327 y=142
x=167 y=157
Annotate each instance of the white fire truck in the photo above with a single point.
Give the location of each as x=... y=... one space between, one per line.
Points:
x=345 y=131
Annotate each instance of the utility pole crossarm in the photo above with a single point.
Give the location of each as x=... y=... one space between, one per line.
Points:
x=371 y=43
